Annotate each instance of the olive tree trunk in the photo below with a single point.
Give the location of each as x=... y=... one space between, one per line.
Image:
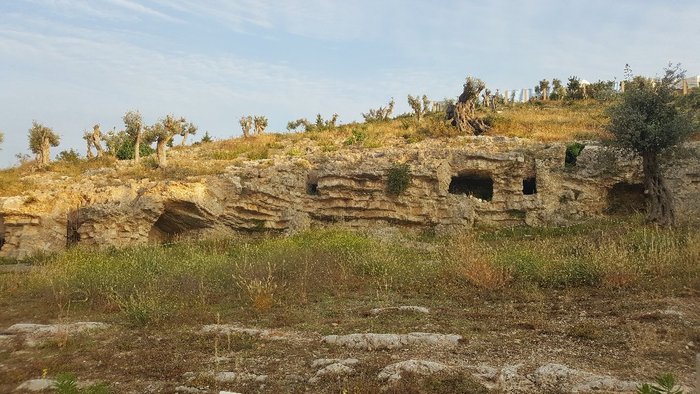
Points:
x=44 y=155
x=89 y=149
x=659 y=196
x=184 y=139
x=160 y=152
x=98 y=145
x=137 y=148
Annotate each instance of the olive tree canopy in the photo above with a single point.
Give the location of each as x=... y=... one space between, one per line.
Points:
x=648 y=120
x=41 y=139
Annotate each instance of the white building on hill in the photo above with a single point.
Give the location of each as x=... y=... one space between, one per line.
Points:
x=693 y=82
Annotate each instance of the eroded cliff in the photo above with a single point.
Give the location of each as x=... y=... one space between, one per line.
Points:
x=467 y=181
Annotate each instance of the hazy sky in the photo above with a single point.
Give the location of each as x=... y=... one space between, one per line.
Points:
x=72 y=63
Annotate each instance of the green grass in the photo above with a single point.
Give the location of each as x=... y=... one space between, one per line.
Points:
x=148 y=284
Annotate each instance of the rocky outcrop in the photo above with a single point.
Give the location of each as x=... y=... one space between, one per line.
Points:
x=485 y=181
x=372 y=341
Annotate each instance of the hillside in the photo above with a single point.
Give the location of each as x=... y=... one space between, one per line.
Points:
x=374 y=257
x=548 y=122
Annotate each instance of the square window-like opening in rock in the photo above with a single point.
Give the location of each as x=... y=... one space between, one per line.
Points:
x=473 y=184
x=529 y=186
x=312 y=189
x=2 y=232
x=626 y=198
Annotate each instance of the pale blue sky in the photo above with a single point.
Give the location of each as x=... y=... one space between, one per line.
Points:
x=73 y=63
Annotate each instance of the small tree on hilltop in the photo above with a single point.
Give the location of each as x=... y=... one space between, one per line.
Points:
x=134 y=128
x=162 y=134
x=187 y=130
x=574 y=89
x=41 y=139
x=463 y=115
x=419 y=105
x=379 y=114
x=542 y=90
x=87 y=136
x=246 y=123
x=558 y=90
x=319 y=125
x=601 y=90
x=2 y=137
x=206 y=138
x=293 y=125
x=94 y=140
x=260 y=124
x=648 y=121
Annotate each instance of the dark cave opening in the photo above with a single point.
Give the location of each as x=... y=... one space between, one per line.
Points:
x=530 y=186
x=178 y=217
x=478 y=185
x=2 y=231
x=626 y=198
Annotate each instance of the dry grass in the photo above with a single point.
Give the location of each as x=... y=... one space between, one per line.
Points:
x=552 y=121
x=266 y=273
x=177 y=169
x=474 y=262
x=550 y=300
x=11 y=182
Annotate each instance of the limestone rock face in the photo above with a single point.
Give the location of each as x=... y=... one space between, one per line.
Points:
x=487 y=181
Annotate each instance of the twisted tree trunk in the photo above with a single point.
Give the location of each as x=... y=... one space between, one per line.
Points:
x=160 y=152
x=97 y=143
x=137 y=148
x=466 y=121
x=659 y=197
x=44 y=155
x=89 y=149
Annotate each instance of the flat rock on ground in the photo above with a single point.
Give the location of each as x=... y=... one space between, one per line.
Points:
x=392 y=373
x=370 y=341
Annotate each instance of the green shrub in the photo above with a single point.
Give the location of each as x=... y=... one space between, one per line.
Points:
x=68 y=156
x=572 y=152
x=141 y=308
x=358 y=136
x=399 y=179
x=665 y=384
x=66 y=383
x=125 y=150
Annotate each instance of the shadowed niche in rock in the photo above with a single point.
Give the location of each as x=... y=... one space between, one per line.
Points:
x=530 y=186
x=476 y=184
x=2 y=231
x=626 y=198
x=72 y=225
x=312 y=185
x=179 y=217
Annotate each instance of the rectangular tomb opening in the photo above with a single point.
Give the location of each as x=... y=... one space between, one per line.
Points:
x=476 y=184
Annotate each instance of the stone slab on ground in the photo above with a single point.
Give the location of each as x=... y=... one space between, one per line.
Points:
x=403 y=308
x=371 y=341
x=36 y=385
x=392 y=373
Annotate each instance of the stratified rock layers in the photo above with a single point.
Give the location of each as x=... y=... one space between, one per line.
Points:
x=488 y=181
